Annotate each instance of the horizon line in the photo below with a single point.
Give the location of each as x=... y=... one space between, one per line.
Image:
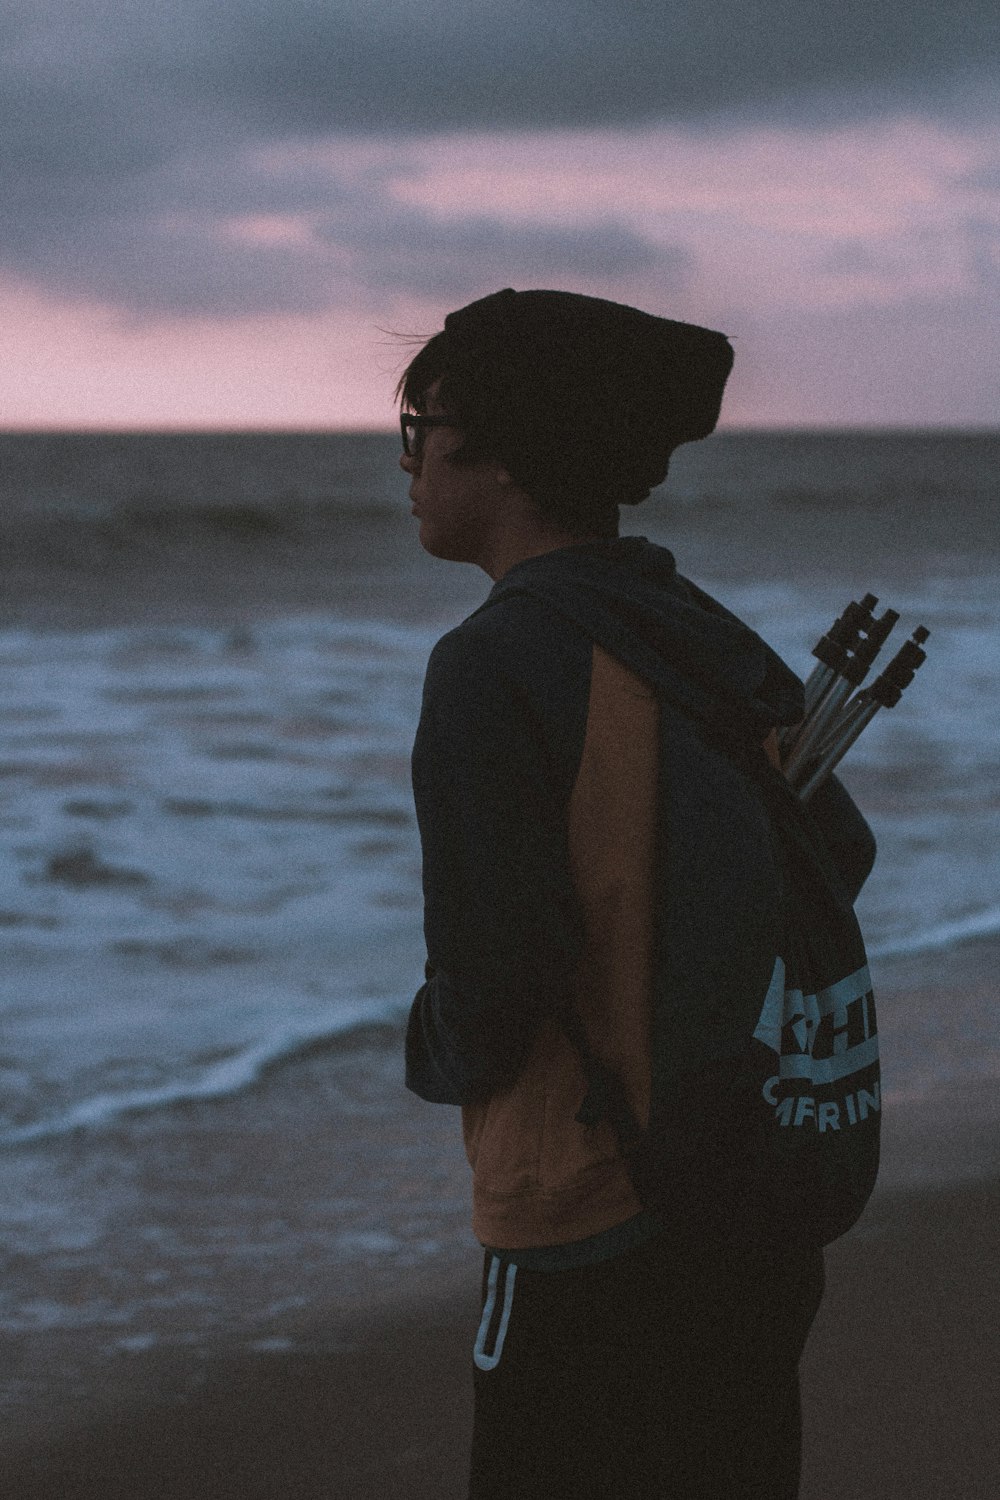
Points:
x=312 y=430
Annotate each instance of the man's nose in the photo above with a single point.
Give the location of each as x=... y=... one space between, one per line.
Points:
x=407 y=462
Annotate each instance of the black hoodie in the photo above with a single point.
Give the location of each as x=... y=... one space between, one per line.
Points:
x=496 y=755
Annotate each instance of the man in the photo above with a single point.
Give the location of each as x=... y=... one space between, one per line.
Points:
x=582 y=850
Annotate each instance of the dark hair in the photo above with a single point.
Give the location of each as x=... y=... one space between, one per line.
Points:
x=476 y=392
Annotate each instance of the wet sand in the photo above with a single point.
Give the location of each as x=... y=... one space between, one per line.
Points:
x=312 y=1375
x=305 y=1328
x=900 y=1381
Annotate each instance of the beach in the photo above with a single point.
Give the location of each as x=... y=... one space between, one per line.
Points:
x=899 y=1385
x=899 y=1391
x=236 y=1253
x=349 y=1374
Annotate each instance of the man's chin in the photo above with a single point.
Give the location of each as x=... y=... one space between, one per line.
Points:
x=429 y=541
x=447 y=549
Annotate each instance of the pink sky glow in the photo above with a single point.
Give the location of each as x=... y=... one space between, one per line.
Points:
x=857 y=269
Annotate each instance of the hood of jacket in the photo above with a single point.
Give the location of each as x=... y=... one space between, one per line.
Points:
x=628 y=597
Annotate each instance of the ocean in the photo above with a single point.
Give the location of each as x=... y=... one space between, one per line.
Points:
x=211 y=655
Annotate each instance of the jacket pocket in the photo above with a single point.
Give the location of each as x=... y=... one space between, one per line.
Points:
x=528 y=1139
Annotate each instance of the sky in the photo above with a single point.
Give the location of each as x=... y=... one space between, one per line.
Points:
x=225 y=214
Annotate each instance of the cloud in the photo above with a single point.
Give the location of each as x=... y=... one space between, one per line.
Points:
x=132 y=168
x=441 y=258
x=315 y=66
x=985 y=179
x=200 y=237
x=983 y=246
x=932 y=361
x=573 y=63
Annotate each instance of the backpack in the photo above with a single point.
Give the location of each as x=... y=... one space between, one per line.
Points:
x=765 y=1104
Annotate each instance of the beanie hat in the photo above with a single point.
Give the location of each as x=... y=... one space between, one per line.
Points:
x=593 y=396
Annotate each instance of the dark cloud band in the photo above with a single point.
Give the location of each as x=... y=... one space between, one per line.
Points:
x=302 y=66
x=130 y=129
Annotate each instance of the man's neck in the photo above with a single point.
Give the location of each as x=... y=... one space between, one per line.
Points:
x=511 y=549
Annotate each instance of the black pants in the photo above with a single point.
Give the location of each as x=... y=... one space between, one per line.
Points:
x=647 y=1376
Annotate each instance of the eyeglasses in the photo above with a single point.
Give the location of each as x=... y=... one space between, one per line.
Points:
x=412 y=426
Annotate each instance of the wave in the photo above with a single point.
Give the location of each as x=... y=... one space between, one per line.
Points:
x=943 y=935
x=229 y=1075
x=244 y=1069
x=87 y=539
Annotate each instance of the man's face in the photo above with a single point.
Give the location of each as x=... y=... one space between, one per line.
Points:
x=457 y=506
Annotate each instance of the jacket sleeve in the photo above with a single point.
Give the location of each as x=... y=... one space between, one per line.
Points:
x=501 y=920
x=848 y=837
